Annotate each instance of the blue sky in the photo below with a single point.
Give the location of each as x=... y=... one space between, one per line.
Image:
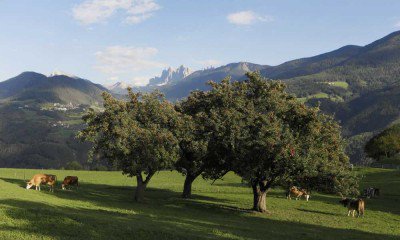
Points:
x=132 y=40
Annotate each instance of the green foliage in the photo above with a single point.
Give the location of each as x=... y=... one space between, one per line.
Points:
x=74 y=165
x=267 y=137
x=287 y=143
x=192 y=142
x=138 y=135
x=214 y=120
x=385 y=144
x=355 y=147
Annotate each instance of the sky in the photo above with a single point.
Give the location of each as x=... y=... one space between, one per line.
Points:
x=107 y=41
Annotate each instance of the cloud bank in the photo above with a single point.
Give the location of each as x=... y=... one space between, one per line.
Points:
x=127 y=61
x=95 y=11
x=247 y=18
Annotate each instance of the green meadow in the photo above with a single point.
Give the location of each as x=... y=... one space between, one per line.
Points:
x=103 y=208
x=341 y=84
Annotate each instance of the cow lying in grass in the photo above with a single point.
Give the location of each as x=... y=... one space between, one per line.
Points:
x=70 y=181
x=297 y=192
x=354 y=205
x=39 y=179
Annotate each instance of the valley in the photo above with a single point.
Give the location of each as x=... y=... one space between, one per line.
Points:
x=360 y=86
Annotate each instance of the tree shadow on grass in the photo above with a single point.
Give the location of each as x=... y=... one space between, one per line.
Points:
x=112 y=196
x=319 y=212
x=231 y=184
x=163 y=215
x=38 y=220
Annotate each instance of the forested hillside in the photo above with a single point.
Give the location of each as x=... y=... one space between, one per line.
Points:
x=360 y=86
x=39 y=117
x=370 y=99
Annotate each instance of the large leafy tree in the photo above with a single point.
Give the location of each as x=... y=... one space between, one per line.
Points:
x=385 y=144
x=202 y=111
x=193 y=149
x=269 y=138
x=137 y=136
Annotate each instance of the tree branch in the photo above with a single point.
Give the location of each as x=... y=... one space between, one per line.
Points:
x=148 y=177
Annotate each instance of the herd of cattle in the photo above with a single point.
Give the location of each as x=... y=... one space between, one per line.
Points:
x=353 y=205
x=50 y=180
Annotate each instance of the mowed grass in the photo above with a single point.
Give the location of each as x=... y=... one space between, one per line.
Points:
x=103 y=208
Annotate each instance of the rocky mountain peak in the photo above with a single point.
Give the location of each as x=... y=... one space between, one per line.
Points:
x=170 y=75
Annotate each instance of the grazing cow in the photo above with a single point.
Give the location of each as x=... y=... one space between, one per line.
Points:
x=70 y=181
x=371 y=192
x=39 y=179
x=354 y=205
x=376 y=192
x=297 y=192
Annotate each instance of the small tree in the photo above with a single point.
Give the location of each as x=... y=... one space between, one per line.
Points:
x=385 y=144
x=136 y=135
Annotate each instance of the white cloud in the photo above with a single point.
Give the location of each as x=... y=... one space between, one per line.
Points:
x=247 y=18
x=124 y=61
x=94 y=11
x=140 y=81
x=397 y=24
x=114 y=78
x=210 y=63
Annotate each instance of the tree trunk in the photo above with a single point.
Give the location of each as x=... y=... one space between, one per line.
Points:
x=259 y=204
x=141 y=186
x=260 y=189
x=139 y=193
x=187 y=186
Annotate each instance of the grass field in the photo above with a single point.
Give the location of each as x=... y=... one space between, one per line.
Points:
x=317 y=95
x=341 y=84
x=103 y=208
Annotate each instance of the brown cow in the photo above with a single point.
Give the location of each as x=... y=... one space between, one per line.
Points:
x=39 y=179
x=354 y=205
x=70 y=181
x=297 y=193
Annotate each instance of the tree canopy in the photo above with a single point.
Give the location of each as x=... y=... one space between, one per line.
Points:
x=385 y=144
x=209 y=117
x=269 y=138
x=136 y=135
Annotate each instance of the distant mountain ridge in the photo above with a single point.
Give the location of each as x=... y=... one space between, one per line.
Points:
x=198 y=79
x=119 y=87
x=168 y=76
x=53 y=88
x=311 y=65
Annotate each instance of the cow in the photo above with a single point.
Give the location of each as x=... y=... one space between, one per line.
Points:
x=70 y=181
x=371 y=192
x=376 y=192
x=354 y=205
x=39 y=179
x=298 y=193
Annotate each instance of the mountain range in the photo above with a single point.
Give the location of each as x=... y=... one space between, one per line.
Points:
x=53 y=88
x=359 y=85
